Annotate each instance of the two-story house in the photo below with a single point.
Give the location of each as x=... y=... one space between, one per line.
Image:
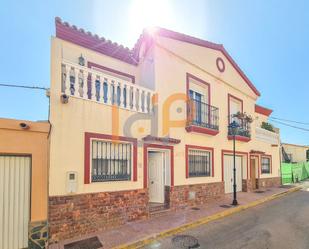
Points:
x=139 y=130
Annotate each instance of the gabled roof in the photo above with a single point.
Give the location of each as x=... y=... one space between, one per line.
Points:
x=203 y=43
x=107 y=47
x=85 y=39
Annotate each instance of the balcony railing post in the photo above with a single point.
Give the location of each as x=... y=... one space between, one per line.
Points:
x=93 y=79
x=139 y=100
x=134 y=99
x=150 y=103
x=145 y=102
x=125 y=96
x=109 y=93
x=121 y=98
x=85 y=85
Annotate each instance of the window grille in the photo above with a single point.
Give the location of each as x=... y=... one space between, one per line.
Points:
x=199 y=163
x=111 y=161
x=265 y=165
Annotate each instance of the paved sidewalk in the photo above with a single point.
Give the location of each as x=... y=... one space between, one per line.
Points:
x=137 y=230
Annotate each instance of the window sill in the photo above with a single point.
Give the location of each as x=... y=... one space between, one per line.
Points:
x=202 y=130
x=239 y=138
x=199 y=177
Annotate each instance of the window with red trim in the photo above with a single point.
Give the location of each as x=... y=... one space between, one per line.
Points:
x=110 y=158
x=199 y=162
x=265 y=165
x=111 y=161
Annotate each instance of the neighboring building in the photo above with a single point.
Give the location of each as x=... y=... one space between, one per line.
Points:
x=135 y=131
x=294 y=153
x=23 y=183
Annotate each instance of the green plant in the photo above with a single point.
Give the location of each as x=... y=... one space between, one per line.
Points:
x=243 y=116
x=267 y=126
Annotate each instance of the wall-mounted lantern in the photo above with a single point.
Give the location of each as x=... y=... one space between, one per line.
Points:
x=81 y=60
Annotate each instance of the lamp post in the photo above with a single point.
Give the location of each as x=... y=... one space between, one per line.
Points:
x=233 y=127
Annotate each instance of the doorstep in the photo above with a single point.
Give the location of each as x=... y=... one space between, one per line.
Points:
x=139 y=230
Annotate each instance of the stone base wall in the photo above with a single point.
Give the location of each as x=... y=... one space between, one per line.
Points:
x=197 y=194
x=38 y=235
x=247 y=185
x=269 y=182
x=167 y=190
x=75 y=215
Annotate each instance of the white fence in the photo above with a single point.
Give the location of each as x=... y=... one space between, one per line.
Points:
x=267 y=136
x=90 y=84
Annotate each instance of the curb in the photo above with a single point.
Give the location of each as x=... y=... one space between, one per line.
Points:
x=202 y=221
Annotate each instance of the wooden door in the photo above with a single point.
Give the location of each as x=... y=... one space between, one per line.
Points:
x=253 y=173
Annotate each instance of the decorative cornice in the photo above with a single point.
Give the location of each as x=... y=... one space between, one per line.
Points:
x=257 y=152
x=168 y=140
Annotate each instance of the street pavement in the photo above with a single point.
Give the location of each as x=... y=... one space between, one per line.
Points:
x=279 y=224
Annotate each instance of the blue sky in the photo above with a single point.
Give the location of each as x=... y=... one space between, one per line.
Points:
x=268 y=39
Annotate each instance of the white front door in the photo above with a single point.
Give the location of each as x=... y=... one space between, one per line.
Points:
x=228 y=173
x=156 y=182
x=14 y=201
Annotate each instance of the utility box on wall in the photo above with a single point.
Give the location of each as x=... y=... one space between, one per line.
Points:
x=71 y=181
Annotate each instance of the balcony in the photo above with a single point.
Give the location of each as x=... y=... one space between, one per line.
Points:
x=85 y=83
x=243 y=132
x=202 y=118
x=267 y=136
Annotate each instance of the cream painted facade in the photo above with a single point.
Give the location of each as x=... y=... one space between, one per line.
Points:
x=162 y=69
x=297 y=153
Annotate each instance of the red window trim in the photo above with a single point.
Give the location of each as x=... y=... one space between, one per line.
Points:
x=229 y=152
x=92 y=64
x=157 y=146
x=188 y=76
x=90 y=135
x=193 y=128
x=211 y=149
x=270 y=166
x=229 y=97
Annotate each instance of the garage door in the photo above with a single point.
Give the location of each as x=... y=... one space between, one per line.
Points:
x=228 y=173
x=14 y=201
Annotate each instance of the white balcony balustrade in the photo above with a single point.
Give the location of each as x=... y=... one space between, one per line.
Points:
x=267 y=136
x=86 y=83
